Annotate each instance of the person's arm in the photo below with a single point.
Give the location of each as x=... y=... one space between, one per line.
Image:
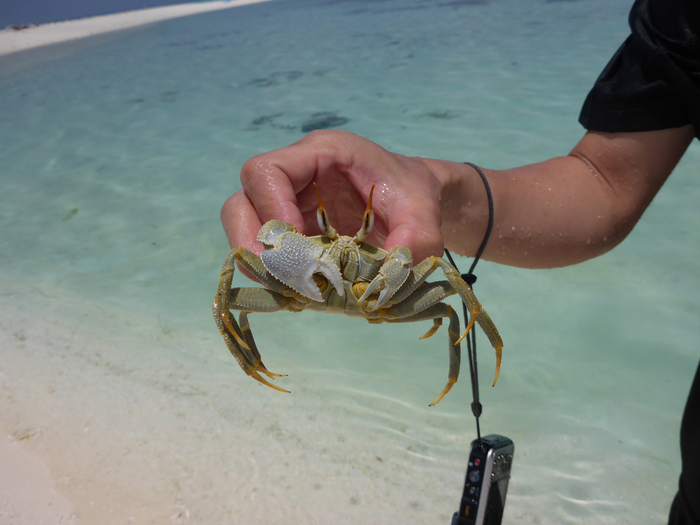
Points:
x=564 y=210
x=558 y=212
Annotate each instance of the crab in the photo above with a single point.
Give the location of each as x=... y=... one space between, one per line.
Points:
x=339 y=274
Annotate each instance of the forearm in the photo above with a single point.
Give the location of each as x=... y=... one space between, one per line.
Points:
x=564 y=210
x=549 y=214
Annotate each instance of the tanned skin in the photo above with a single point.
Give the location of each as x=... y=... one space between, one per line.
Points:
x=554 y=213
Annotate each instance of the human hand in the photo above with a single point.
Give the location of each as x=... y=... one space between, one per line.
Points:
x=278 y=185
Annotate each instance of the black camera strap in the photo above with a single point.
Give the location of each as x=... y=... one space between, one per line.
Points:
x=470 y=279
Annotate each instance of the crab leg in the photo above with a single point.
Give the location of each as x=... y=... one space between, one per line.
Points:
x=253 y=265
x=435 y=312
x=391 y=277
x=248 y=335
x=247 y=359
x=240 y=340
x=220 y=304
x=421 y=271
x=422 y=298
x=476 y=312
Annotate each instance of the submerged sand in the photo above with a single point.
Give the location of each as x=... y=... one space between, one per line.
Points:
x=12 y=40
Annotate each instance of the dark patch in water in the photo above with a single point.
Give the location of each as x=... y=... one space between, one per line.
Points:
x=265 y=119
x=320 y=120
x=168 y=96
x=135 y=101
x=323 y=120
x=71 y=213
x=442 y=114
x=276 y=78
x=321 y=72
x=269 y=120
x=210 y=47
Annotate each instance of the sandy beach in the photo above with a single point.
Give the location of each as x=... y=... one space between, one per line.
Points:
x=12 y=40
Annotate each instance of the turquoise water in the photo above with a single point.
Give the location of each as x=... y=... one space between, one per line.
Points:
x=117 y=154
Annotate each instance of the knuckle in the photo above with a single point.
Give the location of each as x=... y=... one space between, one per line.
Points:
x=323 y=135
x=327 y=140
x=253 y=168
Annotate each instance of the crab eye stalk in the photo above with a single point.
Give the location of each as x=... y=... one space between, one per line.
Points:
x=367 y=219
x=324 y=222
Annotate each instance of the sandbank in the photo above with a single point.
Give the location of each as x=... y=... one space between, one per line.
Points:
x=12 y=40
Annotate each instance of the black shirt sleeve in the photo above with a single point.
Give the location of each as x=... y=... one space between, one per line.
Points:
x=653 y=81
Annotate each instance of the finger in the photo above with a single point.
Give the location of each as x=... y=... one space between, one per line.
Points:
x=409 y=205
x=241 y=222
x=269 y=189
x=278 y=183
x=414 y=222
x=271 y=185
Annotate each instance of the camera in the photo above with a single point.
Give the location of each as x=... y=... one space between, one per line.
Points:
x=486 y=482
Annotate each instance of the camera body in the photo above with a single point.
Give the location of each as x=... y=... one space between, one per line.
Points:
x=486 y=482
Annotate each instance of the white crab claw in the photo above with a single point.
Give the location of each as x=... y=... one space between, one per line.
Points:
x=271 y=230
x=392 y=275
x=293 y=259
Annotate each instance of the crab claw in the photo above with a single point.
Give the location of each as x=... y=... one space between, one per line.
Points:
x=293 y=259
x=272 y=230
x=392 y=275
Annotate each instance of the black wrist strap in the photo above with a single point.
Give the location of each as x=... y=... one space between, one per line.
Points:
x=470 y=279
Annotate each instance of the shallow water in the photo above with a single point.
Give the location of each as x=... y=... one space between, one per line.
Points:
x=117 y=153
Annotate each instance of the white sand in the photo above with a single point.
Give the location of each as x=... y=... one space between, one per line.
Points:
x=12 y=41
x=28 y=492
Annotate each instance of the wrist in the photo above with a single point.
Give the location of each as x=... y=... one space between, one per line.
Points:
x=463 y=205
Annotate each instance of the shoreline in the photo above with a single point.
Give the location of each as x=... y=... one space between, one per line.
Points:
x=14 y=40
